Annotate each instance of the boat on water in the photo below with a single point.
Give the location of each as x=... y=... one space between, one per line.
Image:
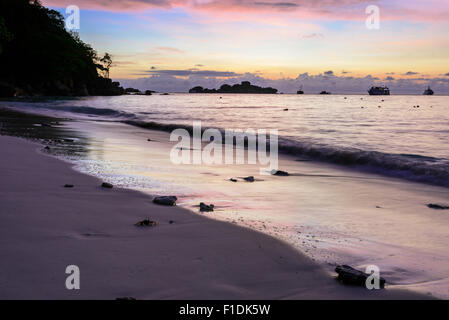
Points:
x=325 y=92
x=379 y=91
x=428 y=92
x=300 y=91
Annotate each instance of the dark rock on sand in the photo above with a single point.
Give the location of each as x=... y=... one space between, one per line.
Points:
x=280 y=173
x=171 y=222
x=146 y=223
x=166 y=200
x=47 y=148
x=68 y=186
x=349 y=275
x=206 y=208
x=437 y=206
x=233 y=180
x=107 y=185
x=249 y=179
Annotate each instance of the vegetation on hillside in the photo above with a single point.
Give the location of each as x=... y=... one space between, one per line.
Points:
x=38 y=56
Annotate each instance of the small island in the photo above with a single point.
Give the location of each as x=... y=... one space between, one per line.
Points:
x=244 y=87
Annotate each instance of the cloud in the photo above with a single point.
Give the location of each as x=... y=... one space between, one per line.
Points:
x=312 y=35
x=114 y=5
x=193 y=72
x=169 y=49
x=417 y=10
x=447 y=74
x=389 y=78
x=410 y=73
x=329 y=73
x=283 y=5
x=170 y=81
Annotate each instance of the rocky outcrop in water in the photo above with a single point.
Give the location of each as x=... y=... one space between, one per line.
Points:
x=244 y=87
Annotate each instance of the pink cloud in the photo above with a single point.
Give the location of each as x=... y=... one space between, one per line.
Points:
x=414 y=10
x=115 y=5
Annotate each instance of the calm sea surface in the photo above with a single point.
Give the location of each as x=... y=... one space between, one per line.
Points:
x=400 y=136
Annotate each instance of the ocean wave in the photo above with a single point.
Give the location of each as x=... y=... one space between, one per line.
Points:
x=412 y=167
x=92 y=111
x=86 y=110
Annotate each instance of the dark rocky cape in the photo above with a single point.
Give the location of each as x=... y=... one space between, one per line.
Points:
x=38 y=56
x=244 y=87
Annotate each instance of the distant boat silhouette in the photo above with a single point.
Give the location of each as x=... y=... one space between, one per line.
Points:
x=324 y=92
x=300 y=91
x=428 y=92
x=379 y=91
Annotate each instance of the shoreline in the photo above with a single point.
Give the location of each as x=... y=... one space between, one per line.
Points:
x=194 y=258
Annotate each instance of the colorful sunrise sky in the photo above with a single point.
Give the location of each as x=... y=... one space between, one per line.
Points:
x=173 y=44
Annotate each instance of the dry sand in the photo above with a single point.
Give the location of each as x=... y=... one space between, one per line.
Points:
x=45 y=227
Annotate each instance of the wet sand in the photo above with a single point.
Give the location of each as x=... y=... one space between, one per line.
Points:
x=45 y=227
x=332 y=214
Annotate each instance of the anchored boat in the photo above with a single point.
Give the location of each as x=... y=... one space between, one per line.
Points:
x=428 y=92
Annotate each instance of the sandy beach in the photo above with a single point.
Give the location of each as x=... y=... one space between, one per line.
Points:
x=46 y=227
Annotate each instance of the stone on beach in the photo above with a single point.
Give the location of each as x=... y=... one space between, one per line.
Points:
x=249 y=179
x=280 y=173
x=437 y=206
x=107 y=185
x=206 y=208
x=349 y=275
x=233 y=180
x=68 y=186
x=166 y=200
x=146 y=223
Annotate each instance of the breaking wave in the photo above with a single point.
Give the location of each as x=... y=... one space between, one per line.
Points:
x=411 y=167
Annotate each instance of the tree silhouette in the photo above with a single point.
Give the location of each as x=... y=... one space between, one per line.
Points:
x=39 y=56
x=106 y=64
x=5 y=35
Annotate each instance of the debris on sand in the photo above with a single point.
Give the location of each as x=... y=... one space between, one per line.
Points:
x=68 y=186
x=166 y=200
x=107 y=185
x=249 y=179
